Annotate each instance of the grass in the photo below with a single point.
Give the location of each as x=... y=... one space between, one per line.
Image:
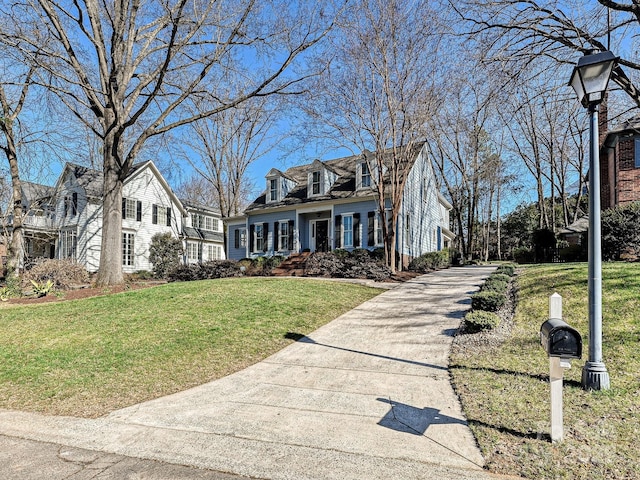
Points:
x=89 y=357
x=505 y=390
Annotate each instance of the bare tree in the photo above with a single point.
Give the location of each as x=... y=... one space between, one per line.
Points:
x=518 y=34
x=378 y=92
x=130 y=67
x=227 y=144
x=13 y=96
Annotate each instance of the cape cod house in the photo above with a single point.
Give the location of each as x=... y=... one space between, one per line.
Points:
x=65 y=221
x=331 y=204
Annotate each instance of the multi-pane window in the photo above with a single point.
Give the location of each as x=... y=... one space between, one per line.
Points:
x=315 y=183
x=193 y=252
x=379 y=237
x=67 y=244
x=214 y=252
x=204 y=222
x=71 y=205
x=365 y=179
x=127 y=249
x=273 y=190
x=162 y=216
x=284 y=235
x=637 y=152
x=259 y=240
x=347 y=231
x=243 y=237
x=129 y=208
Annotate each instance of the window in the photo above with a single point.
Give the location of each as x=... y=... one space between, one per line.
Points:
x=637 y=152
x=347 y=231
x=127 y=249
x=259 y=240
x=273 y=190
x=193 y=252
x=161 y=215
x=315 y=183
x=240 y=238
x=284 y=235
x=365 y=179
x=67 y=244
x=131 y=209
x=407 y=230
x=379 y=236
x=214 y=252
x=204 y=222
x=71 y=205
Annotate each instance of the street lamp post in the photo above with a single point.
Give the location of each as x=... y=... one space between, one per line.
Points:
x=589 y=79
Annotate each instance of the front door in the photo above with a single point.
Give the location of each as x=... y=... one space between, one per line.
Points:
x=320 y=235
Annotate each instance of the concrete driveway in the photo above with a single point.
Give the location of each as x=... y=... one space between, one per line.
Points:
x=367 y=396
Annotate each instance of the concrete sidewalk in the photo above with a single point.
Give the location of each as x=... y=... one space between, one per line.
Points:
x=367 y=396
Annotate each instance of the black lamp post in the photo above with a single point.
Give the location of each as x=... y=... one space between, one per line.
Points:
x=589 y=79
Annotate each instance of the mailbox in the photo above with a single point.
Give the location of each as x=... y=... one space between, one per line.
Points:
x=560 y=340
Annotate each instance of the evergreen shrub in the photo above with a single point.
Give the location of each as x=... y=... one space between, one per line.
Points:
x=478 y=320
x=487 y=300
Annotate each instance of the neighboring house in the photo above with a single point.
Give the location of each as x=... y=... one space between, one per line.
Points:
x=619 y=163
x=331 y=204
x=65 y=221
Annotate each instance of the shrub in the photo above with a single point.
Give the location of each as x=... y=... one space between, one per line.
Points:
x=205 y=271
x=620 y=233
x=524 y=255
x=164 y=253
x=324 y=264
x=344 y=264
x=430 y=261
x=478 y=320
x=487 y=300
x=500 y=277
x=494 y=286
x=63 y=273
x=506 y=269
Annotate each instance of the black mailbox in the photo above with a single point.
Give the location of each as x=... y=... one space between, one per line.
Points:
x=560 y=340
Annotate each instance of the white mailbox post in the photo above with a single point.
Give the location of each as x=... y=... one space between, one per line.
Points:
x=562 y=343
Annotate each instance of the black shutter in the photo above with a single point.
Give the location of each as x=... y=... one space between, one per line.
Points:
x=154 y=214
x=265 y=236
x=124 y=208
x=236 y=238
x=276 y=236
x=371 y=229
x=356 y=230
x=252 y=233
x=290 y=246
x=74 y=210
x=338 y=231
x=139 y=211
x=168 y=217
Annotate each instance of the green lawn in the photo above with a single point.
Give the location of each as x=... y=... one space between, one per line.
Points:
x=88 y=357
x=505 y=390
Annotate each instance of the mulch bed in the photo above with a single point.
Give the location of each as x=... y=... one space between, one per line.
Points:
x=81 y=292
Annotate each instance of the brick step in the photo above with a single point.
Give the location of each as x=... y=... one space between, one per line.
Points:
x=292 y=266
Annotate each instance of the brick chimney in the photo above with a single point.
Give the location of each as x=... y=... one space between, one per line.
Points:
x=603 y=119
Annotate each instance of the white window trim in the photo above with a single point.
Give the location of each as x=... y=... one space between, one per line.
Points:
x=284 y=246
x=320 y=183
x=270 y=190
x=128 y=249
x=255 y=237
x=361 y=176
x=343 y=231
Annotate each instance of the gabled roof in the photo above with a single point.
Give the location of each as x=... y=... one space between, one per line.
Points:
x=35 y=192
x=343 y=188
x=92 y=180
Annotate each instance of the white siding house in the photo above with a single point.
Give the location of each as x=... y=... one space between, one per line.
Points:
x=69 y=224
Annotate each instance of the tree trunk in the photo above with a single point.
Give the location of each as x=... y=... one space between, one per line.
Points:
x=15 y=257
x=110 y=269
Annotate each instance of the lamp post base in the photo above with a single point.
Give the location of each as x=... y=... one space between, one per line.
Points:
x=595 y=376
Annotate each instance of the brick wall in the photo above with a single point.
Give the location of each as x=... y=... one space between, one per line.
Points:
x=628 y=175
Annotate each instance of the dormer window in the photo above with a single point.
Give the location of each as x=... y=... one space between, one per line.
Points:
x=365 y=177
x=273 y=190
x=316 y=182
